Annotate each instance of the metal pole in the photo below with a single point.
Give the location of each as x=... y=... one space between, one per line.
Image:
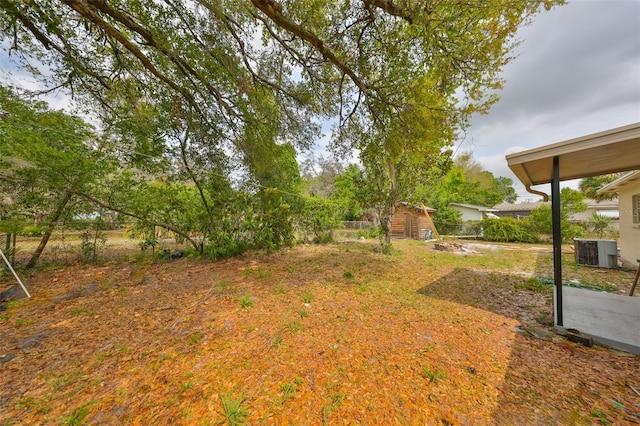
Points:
x=557 y=238
x=14 y=274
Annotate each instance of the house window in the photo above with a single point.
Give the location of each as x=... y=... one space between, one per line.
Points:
x=635 y=209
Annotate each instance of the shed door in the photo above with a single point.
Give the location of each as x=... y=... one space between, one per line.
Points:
x=408 y=225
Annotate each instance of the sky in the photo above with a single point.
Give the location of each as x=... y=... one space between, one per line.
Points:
x=577 y=72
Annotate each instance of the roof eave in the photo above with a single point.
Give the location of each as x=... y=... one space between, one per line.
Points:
x=600 y=153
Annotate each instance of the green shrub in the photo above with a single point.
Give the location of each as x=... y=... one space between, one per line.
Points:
x=31 y=231
x=372 y=232
x=225 y=249
x=317 y=220
x=541 y=223
x=508 y=229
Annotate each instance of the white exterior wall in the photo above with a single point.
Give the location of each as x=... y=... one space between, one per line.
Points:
x=468 y=214
x=629 y=241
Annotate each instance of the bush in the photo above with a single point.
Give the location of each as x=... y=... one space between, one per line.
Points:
x=508 y=229
x=447 y=220
x=372 y=232
x=31 y=231
x=230 y=249
x=317 y=219
x=541 y=223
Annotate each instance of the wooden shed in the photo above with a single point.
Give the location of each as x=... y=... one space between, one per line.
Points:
x=410 y=221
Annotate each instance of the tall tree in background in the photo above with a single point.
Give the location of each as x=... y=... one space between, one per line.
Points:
x=319 y=175
x=590 y=186
x=468 y=183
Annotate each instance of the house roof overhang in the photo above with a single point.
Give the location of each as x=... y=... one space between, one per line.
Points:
x=622 y=181
x=611 y=151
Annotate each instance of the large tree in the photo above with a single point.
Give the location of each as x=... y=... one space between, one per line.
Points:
x=214 y=60
x=250 y=77
x=400 y=156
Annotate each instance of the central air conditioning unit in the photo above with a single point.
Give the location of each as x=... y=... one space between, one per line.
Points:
x=601 y=253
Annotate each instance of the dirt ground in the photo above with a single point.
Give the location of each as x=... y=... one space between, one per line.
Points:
x=332 y=334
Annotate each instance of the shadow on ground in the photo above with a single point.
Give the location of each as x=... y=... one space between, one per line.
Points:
x=547 y=380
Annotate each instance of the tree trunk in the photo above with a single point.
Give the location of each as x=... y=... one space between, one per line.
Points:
x=49 y=230
x=385 y=224
x=388 y=210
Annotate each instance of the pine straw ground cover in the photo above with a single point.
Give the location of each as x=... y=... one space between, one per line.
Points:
x=333 y=334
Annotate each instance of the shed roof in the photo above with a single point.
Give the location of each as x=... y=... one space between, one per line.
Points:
x=416 y=207
x=597 y=154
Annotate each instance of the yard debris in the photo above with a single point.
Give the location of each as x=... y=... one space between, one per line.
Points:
x=8 y=357
x=577 y=337
x=448 y=246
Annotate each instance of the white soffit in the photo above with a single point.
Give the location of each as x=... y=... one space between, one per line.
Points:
x=611 y=151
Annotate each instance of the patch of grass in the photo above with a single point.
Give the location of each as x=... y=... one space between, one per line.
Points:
x=221 y=286
x=32 y=403
x=246 y=301
x=25 y=321
x=335 y=400
x=601 y=415
x=121 y=348
x=248 y=272
x=16 y=303
x=103 y=355
x=235 y=414
x=280 y=288
x=534 y=284
x=263 y=273
x=433 y=375
x=57 y=382
x=307 y=298
x=76 y=416
x=428 y=347
x=303 y=313
x=288 y=389
x=277 y=341
x=347 y=275
x=78 y=311
x=3 y=318
x=293 y=326
x=194 y=338
x=362 y=288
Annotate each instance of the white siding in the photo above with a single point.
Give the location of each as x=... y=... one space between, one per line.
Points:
x=468 y=213
x=629 y=232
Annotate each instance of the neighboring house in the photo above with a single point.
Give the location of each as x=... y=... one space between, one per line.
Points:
x=472 y=212
x=518 y=210
x=628 y=188
x=604 y=208
x=410 y=221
